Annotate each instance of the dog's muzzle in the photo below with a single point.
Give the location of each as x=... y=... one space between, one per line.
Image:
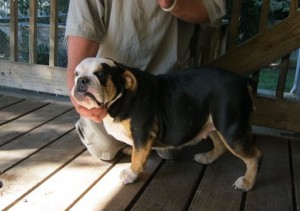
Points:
x=82 y=85
x=82 y=90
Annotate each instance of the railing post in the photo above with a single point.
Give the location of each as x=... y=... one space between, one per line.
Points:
x=13 y=30
x=53 y=33
x=33 y=32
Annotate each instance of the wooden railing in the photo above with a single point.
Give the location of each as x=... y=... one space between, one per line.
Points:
x=267 y=46
x=31 y=76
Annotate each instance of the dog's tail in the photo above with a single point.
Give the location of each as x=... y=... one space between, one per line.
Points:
x=251 y=84
x=252 y=88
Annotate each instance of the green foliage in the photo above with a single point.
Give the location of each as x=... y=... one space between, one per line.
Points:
x=4 y=43
x=249 y=20
x=43 y=7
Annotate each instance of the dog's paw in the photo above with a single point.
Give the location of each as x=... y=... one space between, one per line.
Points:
x=242 y=184
x=127 y=176
x=127 y=150
x=202 y=158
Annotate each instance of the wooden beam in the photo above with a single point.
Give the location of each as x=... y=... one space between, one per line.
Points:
x=33 y=32
x=39 y=78
x=293 y=7
x=13 y=30
x=263 y=26
x=264 y=48
x=53 y=33
x=277 y=113
x=234 y=24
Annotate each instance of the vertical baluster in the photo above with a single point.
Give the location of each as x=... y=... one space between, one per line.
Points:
x=285 y=60
x=53 y=33
x=234 y=24
x=14 y=30
x=263 y=25
x=33 y=32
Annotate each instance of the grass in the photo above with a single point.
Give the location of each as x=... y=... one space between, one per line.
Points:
x=269 y=78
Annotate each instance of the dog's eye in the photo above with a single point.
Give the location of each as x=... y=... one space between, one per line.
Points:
x=76 y=73
x=101 y=74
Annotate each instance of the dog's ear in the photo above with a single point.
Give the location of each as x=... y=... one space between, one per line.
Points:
x=130 y=81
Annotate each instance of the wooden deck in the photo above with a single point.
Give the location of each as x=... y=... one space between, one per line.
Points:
x=44 y=166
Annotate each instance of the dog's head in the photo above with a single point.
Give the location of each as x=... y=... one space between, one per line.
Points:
x=100 y=81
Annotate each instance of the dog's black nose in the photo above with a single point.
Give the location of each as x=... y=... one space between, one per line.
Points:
x=83 y=80
x=82 y=84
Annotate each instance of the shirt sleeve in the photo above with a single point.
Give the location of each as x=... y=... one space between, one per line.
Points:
x=216 y=9
x=86 y=18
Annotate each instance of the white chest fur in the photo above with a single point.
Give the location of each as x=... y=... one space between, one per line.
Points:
x=117 y=130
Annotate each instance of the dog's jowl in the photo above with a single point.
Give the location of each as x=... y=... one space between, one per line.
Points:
x=171 y=111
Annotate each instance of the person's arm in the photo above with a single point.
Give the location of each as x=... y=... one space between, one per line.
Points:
x=78 y=49
x=194 y=11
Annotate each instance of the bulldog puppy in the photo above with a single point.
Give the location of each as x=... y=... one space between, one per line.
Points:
x=171 y=111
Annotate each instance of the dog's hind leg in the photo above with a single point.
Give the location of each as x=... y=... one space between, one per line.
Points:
x=252 y=158
x=215 y=153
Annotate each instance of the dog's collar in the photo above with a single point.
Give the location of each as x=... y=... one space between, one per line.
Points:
x=108 y=104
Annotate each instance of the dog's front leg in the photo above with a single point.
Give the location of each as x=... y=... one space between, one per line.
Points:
x=138 y=160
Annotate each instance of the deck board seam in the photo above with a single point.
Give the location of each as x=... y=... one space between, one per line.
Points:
x=293 y=185
x=38 y=150
x=44 y=180
x=37 y=126
x=24 y=114
x=114 y=163
x=14 y=103
x=143 y=188
x=196 y=186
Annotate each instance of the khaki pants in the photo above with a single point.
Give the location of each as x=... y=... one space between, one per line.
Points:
x=105 y=147
x=94 y=136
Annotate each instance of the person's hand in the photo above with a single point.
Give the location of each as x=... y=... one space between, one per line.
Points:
x=165 y=3
x=95 y=114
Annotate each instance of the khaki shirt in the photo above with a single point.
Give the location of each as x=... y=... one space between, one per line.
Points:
x=137 y=33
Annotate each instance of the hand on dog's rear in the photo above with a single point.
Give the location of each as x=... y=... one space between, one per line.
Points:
x=94 y=114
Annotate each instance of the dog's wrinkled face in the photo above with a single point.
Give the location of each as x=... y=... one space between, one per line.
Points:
x=93 y=82
x=100 y=81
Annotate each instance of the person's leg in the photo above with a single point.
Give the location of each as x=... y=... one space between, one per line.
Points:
x=94 y=136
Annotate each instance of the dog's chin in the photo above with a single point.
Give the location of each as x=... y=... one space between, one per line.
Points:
x=87 y=100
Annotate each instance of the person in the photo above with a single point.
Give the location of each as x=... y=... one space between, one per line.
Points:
x=153 y=35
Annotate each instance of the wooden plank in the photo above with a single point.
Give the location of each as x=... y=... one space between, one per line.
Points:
x=31 y=173
x=53 y=33
x=294 y=7
x=264 y=48
x=28 y=144
x=8 y=100
x=13 y=42
x=17 y=110
x=30 y=121
x=273 y=187
x=284 y=67
x=263 y=25
x=33 y=31
x=110 y=194
x=295 y=147
x=61 y=190
x=277 y=113
x=175 y=178
x=23 y=76
x=215 y=191
x=234 y=24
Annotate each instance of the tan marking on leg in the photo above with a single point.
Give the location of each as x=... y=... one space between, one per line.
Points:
x=140 y=156
x=252 y=161
x=215 y=153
